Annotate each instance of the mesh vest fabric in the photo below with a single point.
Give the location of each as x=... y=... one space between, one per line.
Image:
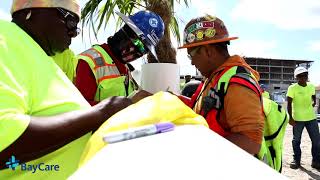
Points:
x=275 y=125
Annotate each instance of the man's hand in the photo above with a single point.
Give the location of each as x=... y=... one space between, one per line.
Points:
x=110 y=106
x=292 y=122
x=138 y=95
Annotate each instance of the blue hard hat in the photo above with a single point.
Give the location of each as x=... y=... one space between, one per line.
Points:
x=147 y=25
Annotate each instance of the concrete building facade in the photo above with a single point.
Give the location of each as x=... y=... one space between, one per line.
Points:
x=276 y=74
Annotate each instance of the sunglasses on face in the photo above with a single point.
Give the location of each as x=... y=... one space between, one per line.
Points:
x=137 y=43
x=193 y=52
x=70 y=20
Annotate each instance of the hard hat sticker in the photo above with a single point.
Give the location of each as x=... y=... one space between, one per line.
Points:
x=200 y=25
x=210 y=32
x=191 y=37
x=153 y=22
x=200 y=35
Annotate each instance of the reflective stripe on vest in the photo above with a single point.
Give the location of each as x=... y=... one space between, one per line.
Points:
x=101 y=63
x=108 y=78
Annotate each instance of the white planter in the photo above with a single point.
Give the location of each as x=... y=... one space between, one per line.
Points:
x=157 y=77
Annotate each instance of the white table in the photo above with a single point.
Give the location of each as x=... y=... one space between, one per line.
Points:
x=188 y=152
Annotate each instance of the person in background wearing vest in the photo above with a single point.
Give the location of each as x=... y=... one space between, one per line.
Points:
x=237 y=113
x=301 y=100
x=44 y=119
x=103 y=70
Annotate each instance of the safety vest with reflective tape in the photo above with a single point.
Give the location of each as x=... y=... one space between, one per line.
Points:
x=276 y=117
x=212 y=103
x=276 y=120
x=108 y=78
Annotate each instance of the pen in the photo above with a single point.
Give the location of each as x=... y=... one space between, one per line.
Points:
x=133 y=133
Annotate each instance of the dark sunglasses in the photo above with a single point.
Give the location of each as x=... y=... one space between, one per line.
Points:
x=137 y=43
x=70 y=21
x=193 y=52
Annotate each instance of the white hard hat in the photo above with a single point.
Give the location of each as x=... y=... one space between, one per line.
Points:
x=299 y=70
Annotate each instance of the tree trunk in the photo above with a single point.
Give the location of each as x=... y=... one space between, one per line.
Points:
x=165 y=52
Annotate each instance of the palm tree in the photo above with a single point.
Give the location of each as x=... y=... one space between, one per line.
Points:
x=95 y=10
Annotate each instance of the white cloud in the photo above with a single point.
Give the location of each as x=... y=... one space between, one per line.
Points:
x=284 y=14
x=4 y=15
x=314 y=46
x=253 y=48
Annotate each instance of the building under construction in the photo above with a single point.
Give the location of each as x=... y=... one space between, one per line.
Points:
x=276 y=74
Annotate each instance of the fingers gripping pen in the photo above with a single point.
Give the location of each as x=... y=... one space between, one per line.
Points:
x=138 y=132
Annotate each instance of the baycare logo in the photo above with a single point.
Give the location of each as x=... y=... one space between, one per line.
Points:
x=14 y=164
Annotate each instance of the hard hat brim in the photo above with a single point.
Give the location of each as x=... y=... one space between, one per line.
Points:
x=138 y=31
x=130 y=23
x=207 y=42
x=303 y=71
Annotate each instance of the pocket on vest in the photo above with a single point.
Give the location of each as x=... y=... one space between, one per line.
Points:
x=111 y=87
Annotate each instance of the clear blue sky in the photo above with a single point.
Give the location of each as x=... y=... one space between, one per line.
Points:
x=266 y=28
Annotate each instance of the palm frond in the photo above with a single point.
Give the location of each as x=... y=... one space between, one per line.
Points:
x=174 y=28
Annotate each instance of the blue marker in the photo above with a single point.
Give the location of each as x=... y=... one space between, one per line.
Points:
x=133 y=133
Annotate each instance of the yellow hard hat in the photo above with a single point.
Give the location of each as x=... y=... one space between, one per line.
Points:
x=205 y=30
x=70 y=5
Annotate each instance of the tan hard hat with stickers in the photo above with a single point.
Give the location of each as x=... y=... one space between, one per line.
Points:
x=70 y=5
x=205 y=30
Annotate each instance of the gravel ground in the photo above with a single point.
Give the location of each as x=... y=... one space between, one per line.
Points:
x=306 y=172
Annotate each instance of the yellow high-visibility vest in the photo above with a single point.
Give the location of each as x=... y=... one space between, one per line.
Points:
x=108 y=78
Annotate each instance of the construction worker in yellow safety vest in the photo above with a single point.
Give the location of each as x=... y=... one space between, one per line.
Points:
x=104 y=70
x=45 y=122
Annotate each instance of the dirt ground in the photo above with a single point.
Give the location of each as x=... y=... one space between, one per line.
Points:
x=306 y=172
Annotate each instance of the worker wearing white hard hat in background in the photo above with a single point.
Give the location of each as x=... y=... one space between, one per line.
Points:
x=301 y=100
